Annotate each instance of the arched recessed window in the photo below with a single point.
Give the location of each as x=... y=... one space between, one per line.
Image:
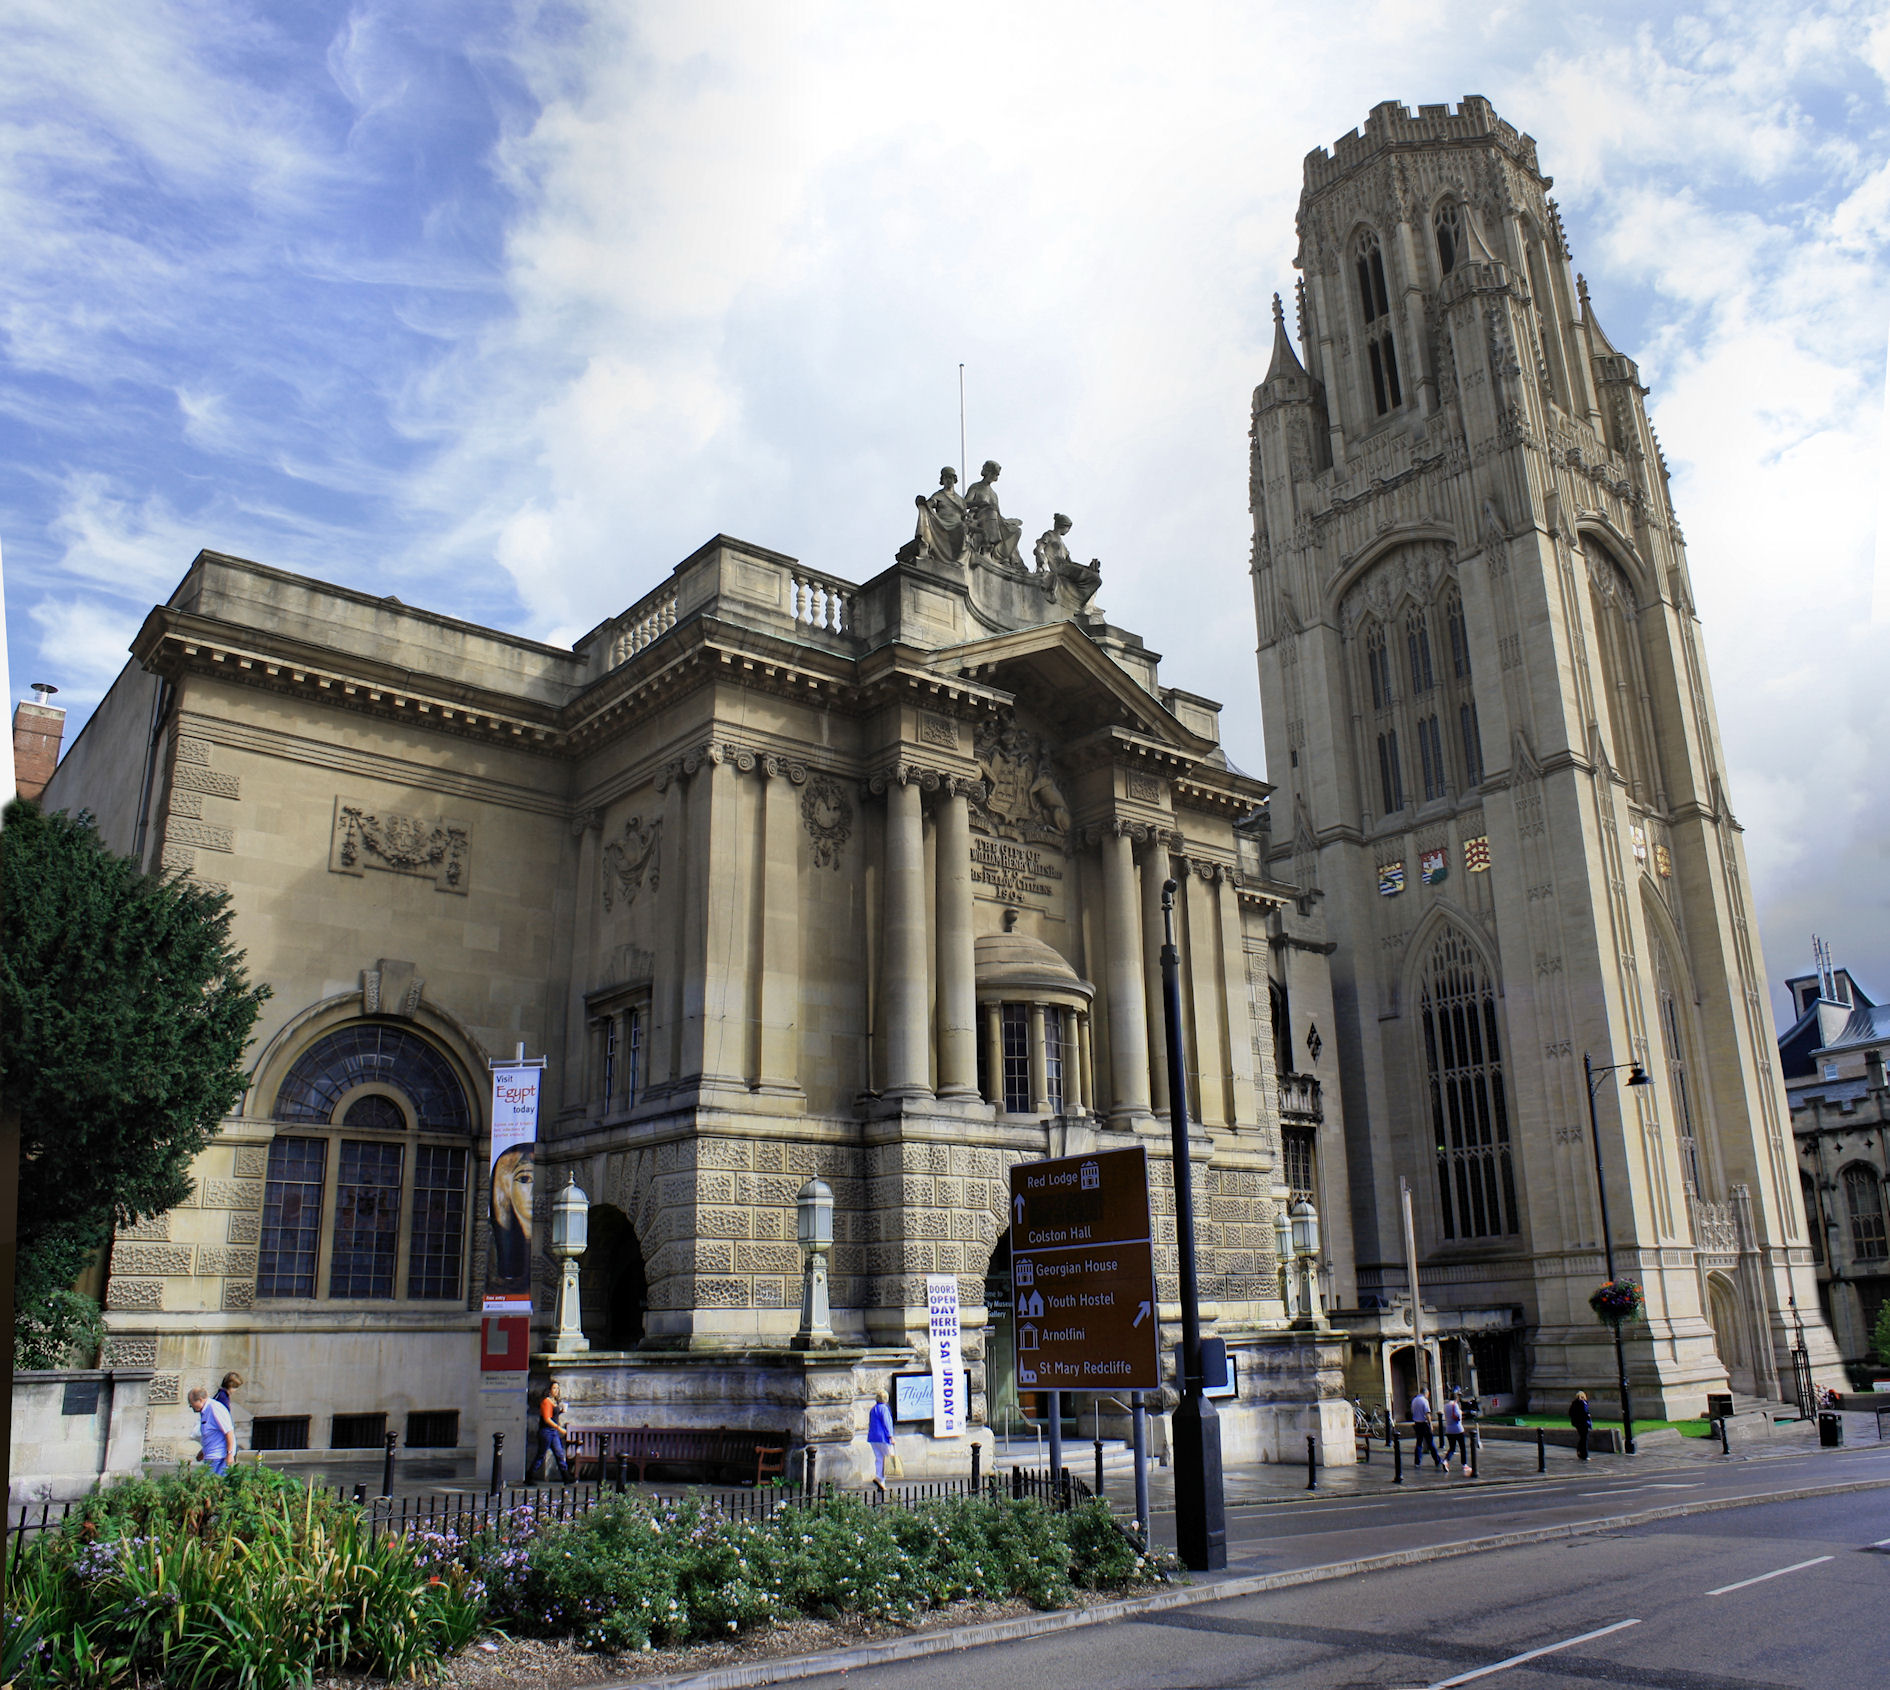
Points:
x=1476 y=1181
x=1033 y=1049
x=1448 y=225
x=1623 y=679
x=1417 y=645
x=1381 y=350
x=369 y=1198
x=1814 y=1215
x=1863 y=1198
x=1679 y=1082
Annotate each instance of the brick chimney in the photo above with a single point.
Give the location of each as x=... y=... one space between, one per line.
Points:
x=37 y=731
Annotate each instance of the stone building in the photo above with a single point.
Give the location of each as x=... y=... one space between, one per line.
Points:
x=1487 y=711
x=1833 y=1061
x=785 y=876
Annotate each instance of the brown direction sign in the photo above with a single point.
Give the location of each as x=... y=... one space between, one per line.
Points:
x=1083 y=1274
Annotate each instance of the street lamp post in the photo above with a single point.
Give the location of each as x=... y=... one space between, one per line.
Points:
x=570 y=1238
x=1200 y=1505
x=1637 y=1076
x=813 y=1231
x=1305 y=1230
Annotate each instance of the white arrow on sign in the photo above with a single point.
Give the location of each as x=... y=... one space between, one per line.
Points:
x=1019 y=1202
x=1141 y=1314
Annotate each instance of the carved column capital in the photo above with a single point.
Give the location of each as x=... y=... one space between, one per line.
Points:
x=587 y=821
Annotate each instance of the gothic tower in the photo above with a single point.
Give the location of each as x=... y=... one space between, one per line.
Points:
x=1497 y=756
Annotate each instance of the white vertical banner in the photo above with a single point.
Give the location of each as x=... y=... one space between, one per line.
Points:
x=948 y=1383
x=509 y=1216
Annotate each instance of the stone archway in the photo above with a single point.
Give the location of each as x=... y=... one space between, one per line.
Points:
x=1729 y=1333
x=613 y=1289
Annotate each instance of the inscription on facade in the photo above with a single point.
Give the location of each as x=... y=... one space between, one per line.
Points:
x=1013 y=874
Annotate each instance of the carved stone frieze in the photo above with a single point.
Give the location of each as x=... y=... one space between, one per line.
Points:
x=827 y=814
x=364 y=838
x=1020 y=796
x=632 y=860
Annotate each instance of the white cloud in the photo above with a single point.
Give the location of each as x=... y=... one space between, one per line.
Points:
x=85 y=644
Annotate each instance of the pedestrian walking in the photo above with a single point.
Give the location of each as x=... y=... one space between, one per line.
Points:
x=551 y=1434
x=1422 y=1435
x=1456 y=1445
x=1582 y=1418
x=231 y=1382
x=879 y=1439
x=215 y=1430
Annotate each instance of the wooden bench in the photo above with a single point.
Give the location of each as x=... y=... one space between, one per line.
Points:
x=751 y=1456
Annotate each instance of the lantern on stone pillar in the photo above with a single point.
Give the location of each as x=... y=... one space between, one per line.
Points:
x=570 y=1238
x=813 y=1231
x=1305 y=1229
x=1283 y=1251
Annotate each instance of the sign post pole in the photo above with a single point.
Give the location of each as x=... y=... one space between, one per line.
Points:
x=1200 y=1504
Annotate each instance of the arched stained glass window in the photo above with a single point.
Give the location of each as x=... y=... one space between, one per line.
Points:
x=369 y=1052
x=1863 y=1197
x=1476 y=1180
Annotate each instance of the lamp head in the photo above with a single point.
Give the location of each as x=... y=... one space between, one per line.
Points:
x=1305 y=1228
x=570 y=1221
x=1639 y=1076
x=813 y=1217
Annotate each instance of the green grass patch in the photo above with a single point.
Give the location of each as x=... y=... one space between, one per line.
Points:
x=1700 y=1428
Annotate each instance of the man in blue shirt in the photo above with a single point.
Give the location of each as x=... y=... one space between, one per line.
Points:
x=215 y=1428
x=1422 y=1437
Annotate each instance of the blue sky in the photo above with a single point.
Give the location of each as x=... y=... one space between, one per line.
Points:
x=505 y=308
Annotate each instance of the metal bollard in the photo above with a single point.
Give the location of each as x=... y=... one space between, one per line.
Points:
x=1542 y=1452
x=387 y=1467
x=623 y=1468
x=808 y=1460
x=1099 y=1475
x=498 y=1462
x=977 y=1462
x=1397 y=1458
x=360 y=1494
x=1725 y=1440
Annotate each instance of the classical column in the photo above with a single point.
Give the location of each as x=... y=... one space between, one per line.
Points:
x=994 y=1053
x=667 y=965
x=1085 y=1060
x=1204 y=985
x=1155 y=869
x=716 y=925
x=957 y=985
x=1127 y=1005
x=1039 y=1064
x=903 y=991
x=1243 y=1086
x=780 y=971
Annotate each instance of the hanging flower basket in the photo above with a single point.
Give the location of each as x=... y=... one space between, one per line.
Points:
x=1617 y=1301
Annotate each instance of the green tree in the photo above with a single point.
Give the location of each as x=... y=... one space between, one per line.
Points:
x=124 y=1015
x=1880 y=1335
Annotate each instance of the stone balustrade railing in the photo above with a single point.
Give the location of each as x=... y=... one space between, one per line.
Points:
x=820 y=601
x=645 y=621
x=1299 y=1098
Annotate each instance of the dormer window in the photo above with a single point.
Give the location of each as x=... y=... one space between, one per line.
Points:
x=1381 y=351
x=1449 y=228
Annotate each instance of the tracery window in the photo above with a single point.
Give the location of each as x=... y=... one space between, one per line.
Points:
x=1297 y=1165
x=1623 y=678
x=1476 y=1180
x=1381 y=352
x=1448 y=225
x=370 y=1198
x=1863 y=1197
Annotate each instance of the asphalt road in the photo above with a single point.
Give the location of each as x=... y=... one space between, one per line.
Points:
x=1752 y=1598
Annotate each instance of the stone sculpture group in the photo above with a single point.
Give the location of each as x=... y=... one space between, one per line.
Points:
x=972 y=529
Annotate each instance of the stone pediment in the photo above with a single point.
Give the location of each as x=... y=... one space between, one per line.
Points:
x=1072 y=685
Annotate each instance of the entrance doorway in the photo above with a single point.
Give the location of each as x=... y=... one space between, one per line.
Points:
x=613 y=1291
x=1729 y=1335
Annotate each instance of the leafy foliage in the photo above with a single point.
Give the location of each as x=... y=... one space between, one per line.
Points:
x=124 y=1013
x=1880 y=1335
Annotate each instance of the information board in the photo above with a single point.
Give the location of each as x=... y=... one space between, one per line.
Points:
x=1083 y=1274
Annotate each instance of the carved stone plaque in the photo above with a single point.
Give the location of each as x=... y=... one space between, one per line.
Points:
x=1014 y=874
x=366 y=837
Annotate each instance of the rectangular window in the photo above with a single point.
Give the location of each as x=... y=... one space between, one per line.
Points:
x=1296 y=1146
x=1016 y=1028
x=358 y=1431
x=633 y=1077
x=1492 y=1352
x=1378 y=379
x=292 y=1217
x=1417 y=642
x=439 y=1221
x=1459 y=644
x=1431 y=755
x=1390 y=776
x=610 y=1061
x=282 y=1431
x=367 y=1220
x=433 y=1429
x=1053 y=1054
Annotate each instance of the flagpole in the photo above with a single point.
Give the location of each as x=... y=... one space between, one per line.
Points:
x=961 y=425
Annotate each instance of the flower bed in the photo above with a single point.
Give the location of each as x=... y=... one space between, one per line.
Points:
x=253 y=1580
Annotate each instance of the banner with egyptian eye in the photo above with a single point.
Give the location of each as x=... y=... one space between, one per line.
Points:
x=509 y=1190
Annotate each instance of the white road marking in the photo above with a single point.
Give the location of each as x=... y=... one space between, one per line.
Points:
x=1881 y=1543
x=1623 y=1490
x=1795 y=1567
x=1530 y=1655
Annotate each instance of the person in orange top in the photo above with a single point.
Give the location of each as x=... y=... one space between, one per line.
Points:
x=551 y=1434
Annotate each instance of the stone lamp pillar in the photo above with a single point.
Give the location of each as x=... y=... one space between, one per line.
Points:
x=570 y=1238
x=1305 y=1225
x=1283 y=1253
x=813 y=1231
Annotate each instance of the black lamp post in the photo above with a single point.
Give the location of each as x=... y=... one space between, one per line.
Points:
x=1637 y=1076
x=1200 y=1505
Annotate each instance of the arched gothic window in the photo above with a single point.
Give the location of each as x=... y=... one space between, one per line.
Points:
x=1476 y=1181
x=367 y=1195
x=1385 y=724
x=1863 y=1197
x=1448 y=224
x=1469 y=733
x=1381 y=352
x=1623 y=676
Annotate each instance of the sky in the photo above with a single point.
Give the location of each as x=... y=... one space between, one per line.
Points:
x=505 y=308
